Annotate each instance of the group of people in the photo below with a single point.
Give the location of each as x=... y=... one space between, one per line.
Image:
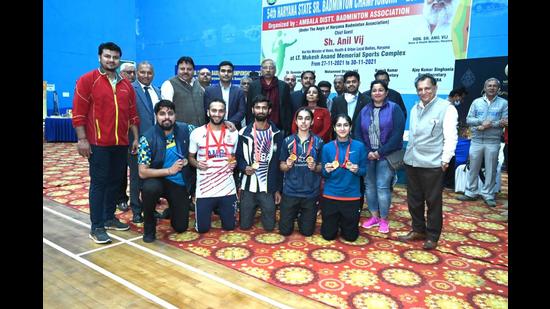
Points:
x=229 y=149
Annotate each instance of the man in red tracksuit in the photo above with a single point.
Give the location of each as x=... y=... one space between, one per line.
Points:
x=104 y=110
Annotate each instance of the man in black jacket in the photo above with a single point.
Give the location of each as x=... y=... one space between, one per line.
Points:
x=352 y=101
x=277 y=91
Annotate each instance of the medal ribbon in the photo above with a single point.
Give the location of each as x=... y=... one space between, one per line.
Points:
x=219 y=143
x=338 y=151
x=308 y=147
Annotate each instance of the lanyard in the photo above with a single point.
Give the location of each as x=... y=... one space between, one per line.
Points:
x=219 y=143
x=336 y=161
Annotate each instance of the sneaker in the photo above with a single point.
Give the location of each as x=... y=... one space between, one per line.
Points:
x=99 y=236
x=114 y=224
x=122 y=206
x=491 y=203
x=466 y=198
x=373 y=221
x=384 y=226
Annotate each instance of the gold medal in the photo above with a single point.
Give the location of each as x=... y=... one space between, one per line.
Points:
x=335 y=164
x=255 y=165
x=349 y=165
x=232 y=160
x=310 y=159
x=293 y=157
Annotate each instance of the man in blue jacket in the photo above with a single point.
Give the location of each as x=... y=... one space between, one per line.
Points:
x=487 y=118
x=163 y=166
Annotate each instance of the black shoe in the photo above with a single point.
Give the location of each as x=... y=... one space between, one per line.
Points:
x=149 y=237
x=429 y=245
x=466 y=198
x=115 y=224
x=122 y=206
x=165 y=214
x=137 y=218
x=491 y=203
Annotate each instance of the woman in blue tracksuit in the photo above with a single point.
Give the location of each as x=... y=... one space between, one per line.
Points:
x=344 y=162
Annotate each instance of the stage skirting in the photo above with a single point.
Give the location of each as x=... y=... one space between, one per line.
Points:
x=59 y=129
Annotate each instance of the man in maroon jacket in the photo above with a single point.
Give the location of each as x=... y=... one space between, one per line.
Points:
x=104 y=109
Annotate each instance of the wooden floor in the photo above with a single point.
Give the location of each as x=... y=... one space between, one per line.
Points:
x=77 y=273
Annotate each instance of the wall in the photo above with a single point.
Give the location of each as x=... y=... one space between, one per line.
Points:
x=209 y=31
x=72 y=31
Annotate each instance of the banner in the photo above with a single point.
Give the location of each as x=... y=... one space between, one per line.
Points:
x=404 y=37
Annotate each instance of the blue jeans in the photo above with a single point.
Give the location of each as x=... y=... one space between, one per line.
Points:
x=107 y=172
x=377 y=185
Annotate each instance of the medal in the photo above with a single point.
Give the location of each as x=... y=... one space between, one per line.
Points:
x=310 y=159
x=293 y=156
x=336 y=163
x=184 y=161
x=255 y=165
x=232 y=159
x=349 y=165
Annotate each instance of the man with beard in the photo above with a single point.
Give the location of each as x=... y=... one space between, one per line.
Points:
x=104 y=111
x=164 y=169
x=438 y=14
x=212 y=151
x=277 y=91
x=258 y=159
x=352 y=101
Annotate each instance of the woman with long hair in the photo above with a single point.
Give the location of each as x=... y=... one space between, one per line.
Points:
x=380 y=127
x=316 y=102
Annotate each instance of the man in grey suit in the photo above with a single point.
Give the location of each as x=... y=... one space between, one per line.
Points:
x=147 y=96
x=233 y=95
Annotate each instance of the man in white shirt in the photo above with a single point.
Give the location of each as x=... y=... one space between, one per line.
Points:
x=186 y=93
x=212 y=150
x=432 y=143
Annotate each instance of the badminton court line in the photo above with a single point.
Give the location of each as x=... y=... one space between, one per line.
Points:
x=181 y=264
x=110 y=275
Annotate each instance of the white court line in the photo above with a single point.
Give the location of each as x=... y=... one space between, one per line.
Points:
x=109 y=246
x=181 y=264
x=100 y=248
x=112 y=276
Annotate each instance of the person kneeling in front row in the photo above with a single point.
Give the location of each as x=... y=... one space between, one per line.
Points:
x=164 y=169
